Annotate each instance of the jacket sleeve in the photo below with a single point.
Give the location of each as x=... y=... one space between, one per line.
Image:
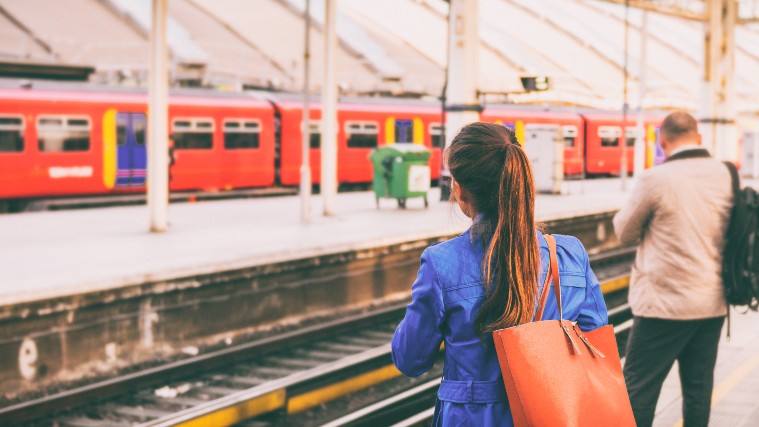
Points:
x=630 y=222
x=593 y=312
x=418 y=337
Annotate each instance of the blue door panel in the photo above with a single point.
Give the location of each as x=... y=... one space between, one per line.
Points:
x=404 y=131
x=139 y=150
x=123 y=150
x=131 y=155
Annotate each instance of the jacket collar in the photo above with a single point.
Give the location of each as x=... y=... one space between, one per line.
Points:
x=689 y=154
x=482 y=229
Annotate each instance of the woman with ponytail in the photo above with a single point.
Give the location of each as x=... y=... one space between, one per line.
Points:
x=487 y=279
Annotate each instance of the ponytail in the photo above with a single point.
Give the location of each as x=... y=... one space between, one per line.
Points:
x=486 y=160
x=511 y=264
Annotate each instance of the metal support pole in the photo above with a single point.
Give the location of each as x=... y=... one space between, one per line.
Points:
x=158 y=115
x=640 y=140
x=305 y=166
x=718 y=110
x=462 y=105
x=625 y=106
x=329 y=111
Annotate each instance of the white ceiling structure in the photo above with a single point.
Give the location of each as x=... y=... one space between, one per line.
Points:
x=394 y=45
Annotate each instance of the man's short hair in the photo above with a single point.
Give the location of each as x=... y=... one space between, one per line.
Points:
x=677 y=125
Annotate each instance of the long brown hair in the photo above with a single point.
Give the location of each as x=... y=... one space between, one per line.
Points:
x=488 y=163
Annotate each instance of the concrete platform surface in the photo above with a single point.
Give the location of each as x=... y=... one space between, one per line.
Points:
x=735 y=399
x=50 y=254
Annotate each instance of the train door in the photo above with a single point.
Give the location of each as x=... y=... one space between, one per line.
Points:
x=404 y=131
x=131 y=155
x=510 y=125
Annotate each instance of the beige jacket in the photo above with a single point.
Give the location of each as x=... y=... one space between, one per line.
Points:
x=679 y=212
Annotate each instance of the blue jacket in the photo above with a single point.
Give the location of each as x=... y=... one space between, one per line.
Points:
x=445 y=300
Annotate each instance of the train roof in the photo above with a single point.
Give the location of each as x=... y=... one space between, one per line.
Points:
x=88 y=92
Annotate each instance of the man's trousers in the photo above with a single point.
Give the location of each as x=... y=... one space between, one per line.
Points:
x=652 y=348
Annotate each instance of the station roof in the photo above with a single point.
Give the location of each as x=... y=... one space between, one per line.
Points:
x=392 y=46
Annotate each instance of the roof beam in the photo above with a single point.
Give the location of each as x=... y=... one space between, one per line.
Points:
x=662 y=8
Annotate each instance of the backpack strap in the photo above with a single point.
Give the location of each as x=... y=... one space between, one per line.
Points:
x=736 y=183
x=736 y=180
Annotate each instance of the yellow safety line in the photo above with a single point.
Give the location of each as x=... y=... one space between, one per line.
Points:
x=726 y=386
x=324 y=394
x=241 y=411
x=615 y=284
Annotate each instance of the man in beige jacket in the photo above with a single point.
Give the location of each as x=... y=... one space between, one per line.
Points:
x=678 y=212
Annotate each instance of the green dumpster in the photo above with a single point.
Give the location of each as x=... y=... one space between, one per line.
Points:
x=401 y=171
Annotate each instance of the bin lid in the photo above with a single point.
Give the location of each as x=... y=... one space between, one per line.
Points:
x=403 y=150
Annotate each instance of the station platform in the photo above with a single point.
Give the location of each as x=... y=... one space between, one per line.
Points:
x=53 y=254
x=735 y=399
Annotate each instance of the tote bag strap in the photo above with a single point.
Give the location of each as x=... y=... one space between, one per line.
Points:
x=551 y=275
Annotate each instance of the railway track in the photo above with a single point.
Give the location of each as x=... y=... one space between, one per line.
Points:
x=416 y=405
x=275 y=378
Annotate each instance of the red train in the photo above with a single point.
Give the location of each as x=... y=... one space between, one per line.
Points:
x=77 y=140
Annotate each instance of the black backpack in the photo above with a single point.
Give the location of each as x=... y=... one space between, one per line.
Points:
x=740 y=259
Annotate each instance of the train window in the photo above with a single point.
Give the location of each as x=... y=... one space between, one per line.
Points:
x=362 y=134
x=569 y=133
x=436 y=133
x=11 y=134
x=631 y=134
x=77 y=123
x=139 y=132
x=121 y=133
x=193 y=134
x=315 y=134
x=241 y=133
x=609 y=135
x=60 y=133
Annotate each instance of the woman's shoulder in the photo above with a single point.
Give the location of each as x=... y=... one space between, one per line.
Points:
x=569 y=243
x=455 y=259
x=571 y=252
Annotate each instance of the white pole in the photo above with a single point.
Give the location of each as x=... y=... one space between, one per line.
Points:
x=640 y=140
x=462 y=105
x=329 y=111
x=158 y=113
x=625 y=106
x=718 y=112
x=305 y=167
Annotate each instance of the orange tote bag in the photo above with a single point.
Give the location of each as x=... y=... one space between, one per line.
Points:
x=557 y=375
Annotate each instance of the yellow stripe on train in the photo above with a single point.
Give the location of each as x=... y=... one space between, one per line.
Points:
x=109 y=148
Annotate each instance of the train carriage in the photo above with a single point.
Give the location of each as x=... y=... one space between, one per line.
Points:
x=606 y=133
x=363 y=124
x=58 y=143
x=520 y=118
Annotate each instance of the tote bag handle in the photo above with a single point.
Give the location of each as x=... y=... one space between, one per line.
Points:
x=552 y=275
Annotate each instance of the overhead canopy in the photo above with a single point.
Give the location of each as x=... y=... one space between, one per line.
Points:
x=391 y=46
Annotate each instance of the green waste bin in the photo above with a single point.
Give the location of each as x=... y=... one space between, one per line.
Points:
x=401 y=171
